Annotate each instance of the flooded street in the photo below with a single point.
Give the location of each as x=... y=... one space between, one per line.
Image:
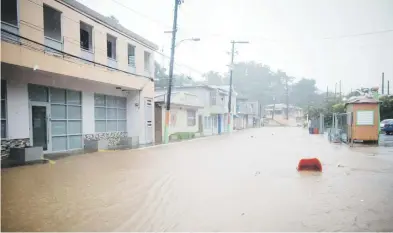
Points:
x=246 y=181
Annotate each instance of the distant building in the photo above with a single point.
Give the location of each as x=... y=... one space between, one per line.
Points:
x=247 y=114
x=280 y=109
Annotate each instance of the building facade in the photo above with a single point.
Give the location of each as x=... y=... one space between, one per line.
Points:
x=215 y=106
x=70 y=76
x=185 y=120
x=248 y=114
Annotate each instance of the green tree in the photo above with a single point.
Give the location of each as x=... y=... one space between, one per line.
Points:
x=386 y=107
x=161 y=78
x=213 y=78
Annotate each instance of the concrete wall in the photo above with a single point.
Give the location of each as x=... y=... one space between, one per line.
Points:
x=181 y=120
x=17 y=110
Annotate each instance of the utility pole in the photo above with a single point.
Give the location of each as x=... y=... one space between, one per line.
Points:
x=274 y=107
x=388 y=87
x=287 y=97
x=230 y=85
x=335 y=92
x=327 y=92
x=383 y=83
x=230 y=81
x=340 y=91
x=173 y=45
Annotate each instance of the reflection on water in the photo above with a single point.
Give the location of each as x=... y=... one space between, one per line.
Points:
x=228 y=183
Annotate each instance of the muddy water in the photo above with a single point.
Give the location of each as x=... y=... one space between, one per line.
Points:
x=226 y=183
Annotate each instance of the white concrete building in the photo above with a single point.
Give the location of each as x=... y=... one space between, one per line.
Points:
x=215 y=106
x=82 y=77
x=184 y=115
x=248 y=114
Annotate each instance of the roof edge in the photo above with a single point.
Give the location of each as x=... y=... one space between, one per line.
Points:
x=107 y=22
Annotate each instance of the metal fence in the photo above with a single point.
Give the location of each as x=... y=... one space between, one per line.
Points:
x=341 y=127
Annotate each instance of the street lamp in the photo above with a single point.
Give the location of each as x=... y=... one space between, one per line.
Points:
x=189 y=39
x=172 y=59
x=230 y=81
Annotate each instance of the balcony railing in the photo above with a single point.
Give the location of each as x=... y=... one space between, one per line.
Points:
x=87 y=54
x=218 y=109
x=7 y=36
x=53 y=45
x=131 y=64
x=112 y=63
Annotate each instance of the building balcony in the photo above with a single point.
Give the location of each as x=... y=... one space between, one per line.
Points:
x=30 y=54
x=7 y=36
x=112 y=63
x=218 y=109
x=53 y=43
x=87 y=54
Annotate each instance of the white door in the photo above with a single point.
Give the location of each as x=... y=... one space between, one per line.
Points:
x=149 y=120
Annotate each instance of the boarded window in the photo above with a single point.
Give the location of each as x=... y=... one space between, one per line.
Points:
x=365 y=117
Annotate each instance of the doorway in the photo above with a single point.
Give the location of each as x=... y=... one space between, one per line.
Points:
x=39 y=122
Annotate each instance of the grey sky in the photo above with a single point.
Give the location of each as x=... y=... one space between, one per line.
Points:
x=284 y=34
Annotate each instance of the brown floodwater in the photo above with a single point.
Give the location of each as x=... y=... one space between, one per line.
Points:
x=246 y=181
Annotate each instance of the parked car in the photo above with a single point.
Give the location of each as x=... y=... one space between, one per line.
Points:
x=382 y=124
x=387 y=126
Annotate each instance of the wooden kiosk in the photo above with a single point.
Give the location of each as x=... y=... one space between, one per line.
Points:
x=363 y=122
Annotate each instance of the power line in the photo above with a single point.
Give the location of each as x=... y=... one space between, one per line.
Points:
x=360 y=34
x=141 y=14
x=96 y=49
x=255 y=37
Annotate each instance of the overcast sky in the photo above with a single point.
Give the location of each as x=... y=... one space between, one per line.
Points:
x=305 y=38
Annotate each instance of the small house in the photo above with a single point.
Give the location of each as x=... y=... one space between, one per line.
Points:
x=184 y=121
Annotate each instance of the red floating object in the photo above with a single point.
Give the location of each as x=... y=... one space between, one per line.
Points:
x=311 y=164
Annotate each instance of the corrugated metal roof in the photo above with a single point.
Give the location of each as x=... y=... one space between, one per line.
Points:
x=361 y=100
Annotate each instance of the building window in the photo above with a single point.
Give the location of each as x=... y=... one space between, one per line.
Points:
x=66 y=115
x=147 y=61
x=110 y=113
x=131 y=55
x=9 y=12
x=3 y=108
x=66 y=119
x=111 y=46
x=213 y=98
x=86 y=36
x=52 y=23
x=191 y=117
